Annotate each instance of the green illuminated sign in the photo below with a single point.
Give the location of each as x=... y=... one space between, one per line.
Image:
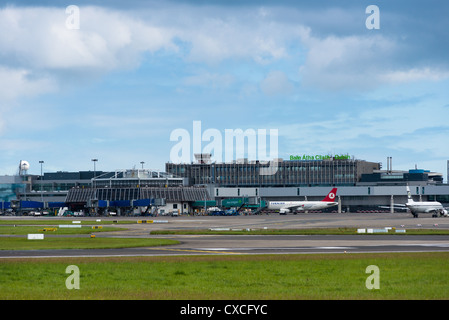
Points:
x=321 y=157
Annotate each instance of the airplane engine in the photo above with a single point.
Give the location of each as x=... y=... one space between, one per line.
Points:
x=445 y=213
x=284 y=211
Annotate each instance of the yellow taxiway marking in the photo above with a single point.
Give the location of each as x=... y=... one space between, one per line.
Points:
x=200 y=251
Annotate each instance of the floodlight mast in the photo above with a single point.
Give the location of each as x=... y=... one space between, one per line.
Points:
x=42 y=177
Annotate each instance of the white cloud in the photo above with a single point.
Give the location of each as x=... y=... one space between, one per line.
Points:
x=412 y=134
x=17 y=83
x=335 y=63
x=415 y=74
x=216 y=40
x=38 y=41
x=361 y=62
x=39 y=38
x=22 y=82
x=39 y=54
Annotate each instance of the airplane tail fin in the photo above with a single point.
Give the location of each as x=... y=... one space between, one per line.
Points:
x=331 y=196
x=409 y=195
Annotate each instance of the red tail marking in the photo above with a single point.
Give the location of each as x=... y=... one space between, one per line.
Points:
x=331 y=196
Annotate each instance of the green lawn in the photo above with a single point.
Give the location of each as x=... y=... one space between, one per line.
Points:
x=22 y=243
x=326 y=276
x=52 y=222
x=24 y=230
x=319 y=276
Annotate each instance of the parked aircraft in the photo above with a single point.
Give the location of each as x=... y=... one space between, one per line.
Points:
x=433 y=207
x=285 y=207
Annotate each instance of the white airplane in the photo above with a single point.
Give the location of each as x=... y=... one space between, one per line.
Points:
x=285 y=207
x=433 y=207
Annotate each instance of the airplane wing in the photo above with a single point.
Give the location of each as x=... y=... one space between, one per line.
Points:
x=293 y=207
x=396 y=207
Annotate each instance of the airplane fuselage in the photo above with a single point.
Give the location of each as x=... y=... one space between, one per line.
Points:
x=433 y=207
x=424 y=207
x=300 y=205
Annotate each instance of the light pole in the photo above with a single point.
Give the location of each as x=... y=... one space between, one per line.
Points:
x=93 y=183
x=95 y=171
x=42 y=177
x=94 y=161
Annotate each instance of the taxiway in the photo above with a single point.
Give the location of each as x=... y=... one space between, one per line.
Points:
x=269 y=244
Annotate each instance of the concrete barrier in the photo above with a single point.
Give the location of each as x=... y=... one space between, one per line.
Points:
x=35 y=236
x=385 y=230
x=377 y=231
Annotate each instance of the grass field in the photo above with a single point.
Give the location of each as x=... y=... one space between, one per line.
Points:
x=14 y=238
x=403 y=276
x=326 y=276
x=51 y=222
x=23 y=230
x=22 y=243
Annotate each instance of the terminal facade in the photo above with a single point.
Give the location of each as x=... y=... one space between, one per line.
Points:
x=276 y=173
x=192 y=187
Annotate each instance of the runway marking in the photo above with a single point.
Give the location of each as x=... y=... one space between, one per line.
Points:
x=198 y=251
x=440 y=245
x=334 y=248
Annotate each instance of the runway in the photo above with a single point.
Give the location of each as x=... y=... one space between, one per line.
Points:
x=270 y=244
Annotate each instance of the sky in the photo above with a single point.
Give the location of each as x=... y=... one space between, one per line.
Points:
x=118 y=80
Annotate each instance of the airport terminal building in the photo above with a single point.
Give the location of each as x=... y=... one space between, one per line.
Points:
x=124 y=192
x=192 y=187
x=362 y=185
x=276 y=173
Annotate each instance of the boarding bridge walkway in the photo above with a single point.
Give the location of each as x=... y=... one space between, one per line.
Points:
x=170 y=194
